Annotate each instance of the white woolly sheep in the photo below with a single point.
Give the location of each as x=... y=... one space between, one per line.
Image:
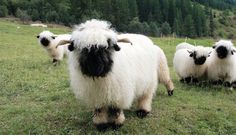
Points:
x=107 y=75
x=39 y=25
x=221 y=64
x=184 y=45
x=49 y=41
x=190 y=64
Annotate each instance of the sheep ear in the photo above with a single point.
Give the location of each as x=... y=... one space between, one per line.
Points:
x=63 y=42
x=71 y=47
x=190 y=53
x=233 y=51
x=38 y=36
x=114 y=45
x=124 y=40
x=53 y=37
x=209 y=54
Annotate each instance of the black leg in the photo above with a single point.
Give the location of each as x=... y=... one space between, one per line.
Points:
x=182 y=80
x=187 y=79
x=55 y=62
x=227 y=84
x=170 y=92
x=100 y=126
x=114 y=113
x=142 y=113
x=233 y=84
x=195 y=80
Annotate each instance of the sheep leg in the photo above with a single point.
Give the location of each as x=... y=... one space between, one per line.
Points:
x=100 y=119
x=55 y=62
x=144 y=105
x=187 y=80
x=116 y=117
x=233 y=84
x=195 y=80
x=227 y=84
x=217 y=82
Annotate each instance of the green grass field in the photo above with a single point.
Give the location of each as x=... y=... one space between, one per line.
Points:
x=35 y=97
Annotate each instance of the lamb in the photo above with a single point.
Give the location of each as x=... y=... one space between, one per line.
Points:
x=39 y=25
x=184 y=45
x=221 y=64
x=107 y=75
x=49 y=42
x=190 y=64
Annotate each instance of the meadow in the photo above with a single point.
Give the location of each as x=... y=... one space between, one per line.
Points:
x=35 y=96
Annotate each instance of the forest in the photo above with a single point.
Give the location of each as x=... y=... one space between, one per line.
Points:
x=183 y=18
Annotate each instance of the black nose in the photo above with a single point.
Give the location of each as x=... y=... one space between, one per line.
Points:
x=222 y=52
x=44 y=42
x=200 y=61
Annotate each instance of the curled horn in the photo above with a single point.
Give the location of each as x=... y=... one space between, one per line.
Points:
x=124 y=40
x=63 y=42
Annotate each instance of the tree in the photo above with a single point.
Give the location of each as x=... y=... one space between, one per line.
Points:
x=3 y=11
x=154 y=30
x=212 y=24
x=135 y=26
x=188 y=29
x=23 y=15
x=165 y=28
x=146 y=28
x=133 y=9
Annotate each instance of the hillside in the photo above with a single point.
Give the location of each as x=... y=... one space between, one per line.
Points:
x=35 y=97
x=183 y=18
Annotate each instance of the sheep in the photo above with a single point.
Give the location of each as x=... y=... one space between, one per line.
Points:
x=39 y=25
x=164 y=74
x=184 y=45
x=190 y=64
x=49 y=42
x=107 y=75
x=221 y=64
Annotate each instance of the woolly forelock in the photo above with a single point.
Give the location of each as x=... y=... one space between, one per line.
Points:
x=226 y=43
x=201 y=51
x=93 y=33
x=46 y=34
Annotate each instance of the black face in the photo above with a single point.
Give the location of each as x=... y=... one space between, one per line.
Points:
x=200 y=61
x=96 y=62
x=222 y=52
x=45 y=42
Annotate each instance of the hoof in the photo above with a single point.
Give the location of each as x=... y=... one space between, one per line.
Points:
x=233 y=85
x=170 y=92
x=227 y=84
x=187 y=80
x=142 y=113
x=102 y=127
x=195 y=80
x=116 y=126
x=218 y=82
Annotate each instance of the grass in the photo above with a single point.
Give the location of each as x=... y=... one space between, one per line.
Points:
x=35 y=97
